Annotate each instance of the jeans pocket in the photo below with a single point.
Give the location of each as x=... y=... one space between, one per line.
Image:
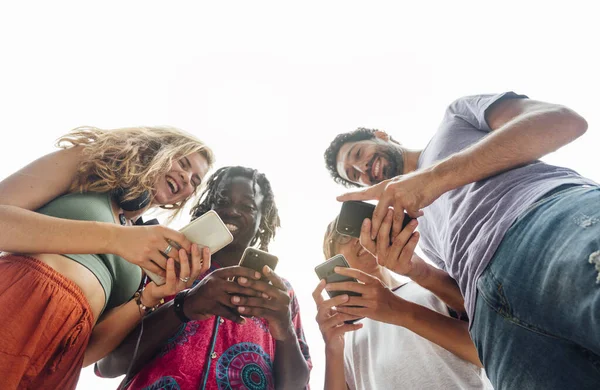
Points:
x=491 y=291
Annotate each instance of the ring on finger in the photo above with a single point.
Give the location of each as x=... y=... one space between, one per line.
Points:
x=185 y=280
x=169 y=247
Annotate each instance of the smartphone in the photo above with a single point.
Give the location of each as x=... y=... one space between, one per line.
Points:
x=208 y=230
x=256 y=259
x=326 y=271
x=353 y=214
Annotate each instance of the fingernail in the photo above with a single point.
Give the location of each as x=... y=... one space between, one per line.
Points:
x=241 y=309
x=413 y=222
x=257 y=275
x=265 y=296
x=365 y=223
x=235 y=299
x=243 y=280
x=328 y=287
x=344 y=297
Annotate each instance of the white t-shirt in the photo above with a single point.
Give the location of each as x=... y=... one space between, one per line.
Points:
x=384 y=356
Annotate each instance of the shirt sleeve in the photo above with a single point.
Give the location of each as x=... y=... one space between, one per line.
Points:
x=473 y=109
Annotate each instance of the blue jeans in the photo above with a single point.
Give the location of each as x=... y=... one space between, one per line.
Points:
x=537 y=314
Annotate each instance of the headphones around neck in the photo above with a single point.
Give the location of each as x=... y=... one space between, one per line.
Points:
x=134 y=204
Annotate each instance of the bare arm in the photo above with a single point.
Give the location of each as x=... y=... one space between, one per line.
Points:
x=522 y=131
x=334 y=371
x=333 y=328
x=443 y=286
x=115 y=325
x=50 y=177
x=209 y=297
x=32 y=187
x=381 y=304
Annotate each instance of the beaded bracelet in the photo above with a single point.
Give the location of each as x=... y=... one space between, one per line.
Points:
x=143 y=308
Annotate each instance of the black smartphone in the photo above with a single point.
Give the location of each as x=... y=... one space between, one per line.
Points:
x=256 y=259
x=326 y=271
x=353 y=214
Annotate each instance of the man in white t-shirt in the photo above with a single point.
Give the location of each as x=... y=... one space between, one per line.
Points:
x=407 y=338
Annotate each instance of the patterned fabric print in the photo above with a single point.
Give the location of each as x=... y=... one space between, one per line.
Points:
x=164 y=383
x=261 y=323
x=245 y=366
x=182 y=336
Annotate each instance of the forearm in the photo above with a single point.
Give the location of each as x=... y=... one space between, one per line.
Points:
x=291 y=369
x=519 y=141
x=447 y=332
x=443 y=286
x=335 y=378
x=111 y=331
x=24 y=231
x=158 y=328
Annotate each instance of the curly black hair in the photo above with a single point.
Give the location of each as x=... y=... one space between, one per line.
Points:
x=360 y=134
x=270 y=216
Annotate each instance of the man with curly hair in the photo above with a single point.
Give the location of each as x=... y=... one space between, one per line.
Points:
x=241 y=333
x=516 y=234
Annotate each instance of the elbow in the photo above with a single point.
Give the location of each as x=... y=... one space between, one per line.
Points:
x=575 y=123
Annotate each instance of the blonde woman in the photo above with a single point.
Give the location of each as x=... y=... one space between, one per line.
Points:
x=72 y=261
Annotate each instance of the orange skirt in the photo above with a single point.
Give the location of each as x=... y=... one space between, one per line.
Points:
x=45 y=326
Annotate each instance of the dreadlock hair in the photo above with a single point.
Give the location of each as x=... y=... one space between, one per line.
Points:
x=270 y=216
x=360 y=134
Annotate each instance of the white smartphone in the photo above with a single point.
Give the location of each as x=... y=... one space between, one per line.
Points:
x=208 y=230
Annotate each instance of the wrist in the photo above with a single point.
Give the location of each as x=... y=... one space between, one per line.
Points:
x=334 y=350
x=147 y=299
x=401 y=312
x=110 y=238
x=286 y=334
x=181 y=306
x=420 y=273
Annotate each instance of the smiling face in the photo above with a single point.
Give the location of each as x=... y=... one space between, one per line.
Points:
x=369 y=162
x=239 y=204
x=180 y=182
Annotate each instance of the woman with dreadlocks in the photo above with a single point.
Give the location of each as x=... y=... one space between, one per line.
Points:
x=224 y=334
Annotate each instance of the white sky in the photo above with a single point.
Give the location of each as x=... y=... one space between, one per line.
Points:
x=269 y=84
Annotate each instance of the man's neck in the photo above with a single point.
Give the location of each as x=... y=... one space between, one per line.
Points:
x=411 y=158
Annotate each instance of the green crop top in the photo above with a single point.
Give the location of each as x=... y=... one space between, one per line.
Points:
x=119 y=278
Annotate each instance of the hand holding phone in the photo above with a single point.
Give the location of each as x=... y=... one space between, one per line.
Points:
x=208 y=230
x=256 y=259
x=352 y=215
x=326 y=271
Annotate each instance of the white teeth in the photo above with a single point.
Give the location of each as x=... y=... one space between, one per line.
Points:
x=232 y=228
x=376 y=167
x=173 y=185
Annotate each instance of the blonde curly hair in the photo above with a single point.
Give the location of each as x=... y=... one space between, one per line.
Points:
x=132 y=158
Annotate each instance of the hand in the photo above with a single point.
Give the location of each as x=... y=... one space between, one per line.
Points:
x=189 y=270
x=411 y=192
x=144 y=246
x=377 y=302
x=212 y=295
x=272 y=302
x=331 y=323
x=399 y=256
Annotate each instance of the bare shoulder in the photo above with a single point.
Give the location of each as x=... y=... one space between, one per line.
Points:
x=42 y=180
